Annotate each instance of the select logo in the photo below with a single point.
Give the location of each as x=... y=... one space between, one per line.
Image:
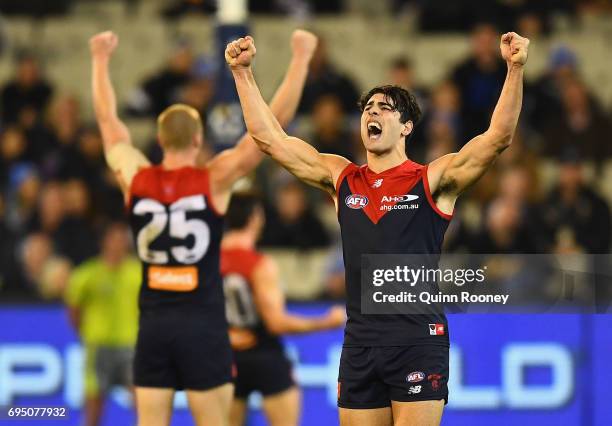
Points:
x=356 y=201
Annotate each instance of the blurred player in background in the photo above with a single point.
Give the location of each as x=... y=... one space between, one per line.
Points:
x=102 y=297
x=176 y=213
x=393 y=368
x=255 y=307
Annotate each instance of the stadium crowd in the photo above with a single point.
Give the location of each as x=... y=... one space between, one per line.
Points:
x=57 y=195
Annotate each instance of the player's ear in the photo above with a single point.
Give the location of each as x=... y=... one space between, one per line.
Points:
x=408 y=126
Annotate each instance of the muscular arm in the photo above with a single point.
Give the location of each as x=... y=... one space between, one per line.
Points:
x=297 y=156
x=236 y=162
x=121 y=156
x=452 y=174
x=270 y=303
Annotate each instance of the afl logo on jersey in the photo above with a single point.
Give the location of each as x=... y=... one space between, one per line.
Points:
x=356 y=201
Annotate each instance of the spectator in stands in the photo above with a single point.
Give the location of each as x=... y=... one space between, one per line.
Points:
x=504 y=230
x=330 y=131
x=543 y=99
x=291 y=221
x=324 y=79
x=401 y=73
x=582 y=127
x=442 y=122
x=7 y=249
x=27 y=93
x=13 y=146
x=102 y=297
x=162 y=89
x=574 y=214
x=42 y=273
x=60 y=136
x=75 y=236
x=22 y=202
x=479 y=80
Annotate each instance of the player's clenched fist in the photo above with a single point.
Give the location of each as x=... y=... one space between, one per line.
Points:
x=103 y=44
x=303 y=43
x=514 y=48
x=240 y=53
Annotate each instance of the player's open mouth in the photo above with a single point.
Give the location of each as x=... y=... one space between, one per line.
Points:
x=374 y=130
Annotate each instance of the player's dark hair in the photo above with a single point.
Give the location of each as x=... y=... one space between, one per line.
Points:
x=241 y=209
x=401 y=100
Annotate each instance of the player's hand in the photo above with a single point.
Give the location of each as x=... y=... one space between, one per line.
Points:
x=514 y=48
x=336 y=316
x=303 y=44
x=240 y=53
x=103 y=44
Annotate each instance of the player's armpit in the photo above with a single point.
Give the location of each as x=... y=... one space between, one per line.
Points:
x=125 y=161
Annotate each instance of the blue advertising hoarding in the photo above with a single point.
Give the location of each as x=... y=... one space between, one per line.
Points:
x=505 y=369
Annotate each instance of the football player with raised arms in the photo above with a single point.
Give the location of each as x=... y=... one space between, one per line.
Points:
x=393 y=368
x=176 y=213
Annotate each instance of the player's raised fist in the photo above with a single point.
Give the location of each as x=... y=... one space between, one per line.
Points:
x=240 y=53
x=514 y=48
x=103 y=44
x=303 y=43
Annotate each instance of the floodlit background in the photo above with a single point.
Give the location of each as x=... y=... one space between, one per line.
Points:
x=550 y=192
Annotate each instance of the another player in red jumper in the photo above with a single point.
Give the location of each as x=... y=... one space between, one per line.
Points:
x=176 y=212
x=255 y=307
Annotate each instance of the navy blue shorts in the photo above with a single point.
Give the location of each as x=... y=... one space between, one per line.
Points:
x=181 y=350
x=372 y=377
x=266 y=370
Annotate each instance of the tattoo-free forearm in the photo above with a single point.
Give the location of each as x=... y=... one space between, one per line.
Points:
x=105 y=103
x=506 y=114
x=285 y=102
x=261 y=123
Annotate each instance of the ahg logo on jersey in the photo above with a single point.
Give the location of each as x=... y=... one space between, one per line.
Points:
x=399 y=198
x=356 y=201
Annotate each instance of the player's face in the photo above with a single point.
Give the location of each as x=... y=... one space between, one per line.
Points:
x=381 y=129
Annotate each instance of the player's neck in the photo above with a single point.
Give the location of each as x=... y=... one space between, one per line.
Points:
x=178 y=159
x=380 y=163
x=238 y=239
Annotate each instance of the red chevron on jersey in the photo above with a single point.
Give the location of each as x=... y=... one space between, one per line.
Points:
x=377 y=193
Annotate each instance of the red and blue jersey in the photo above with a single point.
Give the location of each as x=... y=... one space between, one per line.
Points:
x=391 y=212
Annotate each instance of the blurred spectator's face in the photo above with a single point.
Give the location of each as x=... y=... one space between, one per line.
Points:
x=65 y=116
x=29 y=190
x=291 y=203
x=402 y=76
x=76 y=198
x=12 y=144
x=574 y=95
x=198 y=93
x=485 y=42
x=327 y=114
x=515 y=184
x=530 y=25
x=570 y=176
x=27 y=72
x=503 y=215
x=51 y=205
x=90 y=145
x=445 y=97
x=181 y=60
x=36 y=251
x=116 y=241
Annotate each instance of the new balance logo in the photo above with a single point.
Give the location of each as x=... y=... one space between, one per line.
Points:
x=377 y=183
